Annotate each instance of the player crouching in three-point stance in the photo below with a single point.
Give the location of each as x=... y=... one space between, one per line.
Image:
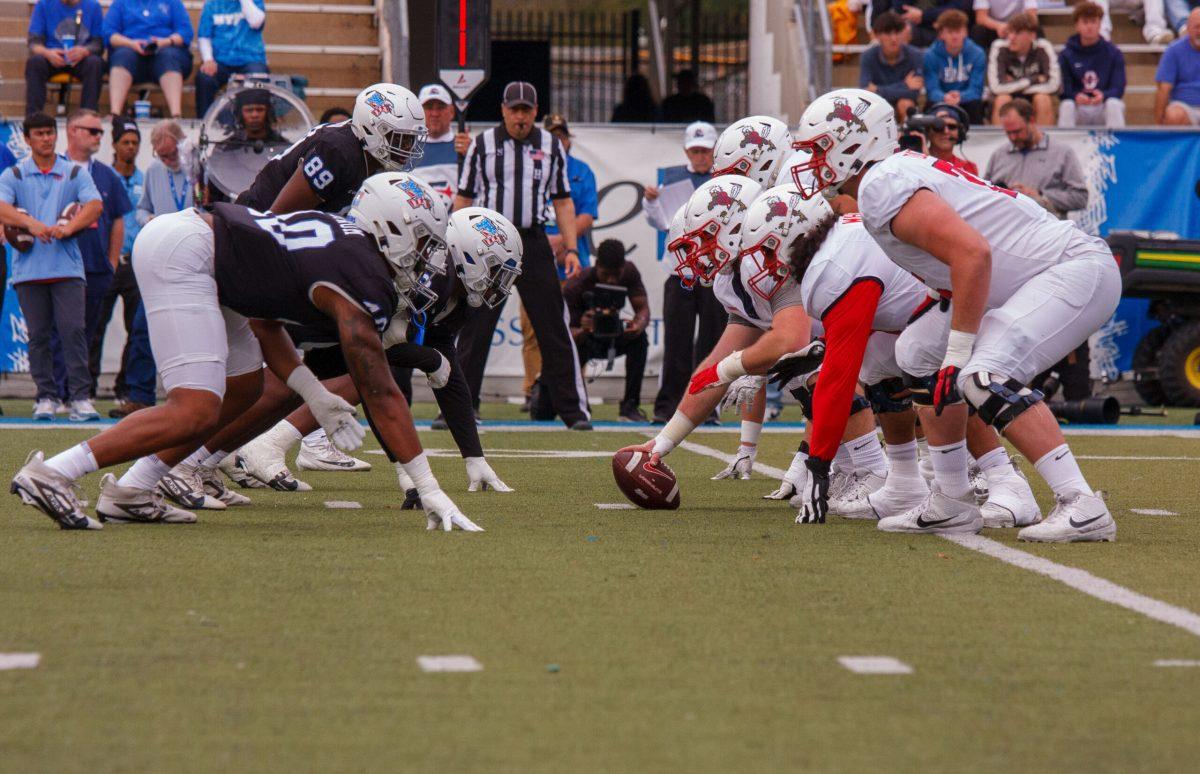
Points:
x=217 y=288
x=1024 y=289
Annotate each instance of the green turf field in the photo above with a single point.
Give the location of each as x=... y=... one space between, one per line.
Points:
x=285 y=636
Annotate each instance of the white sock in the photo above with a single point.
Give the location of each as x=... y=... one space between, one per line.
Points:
x=750 y=432
x=214 y=459
x=406 y=483
x=197 y=457
x=867 y=454
x=145 y=473
x=315 y=437
x=74 y=463
x=950 y=468
x=422 y=477
x=1062 y=472
x=841 y=460
x=922 y=448
x=996 y=458
x=283 y=436
x=902 y=461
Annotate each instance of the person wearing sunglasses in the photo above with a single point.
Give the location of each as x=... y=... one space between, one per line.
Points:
x=940 y=143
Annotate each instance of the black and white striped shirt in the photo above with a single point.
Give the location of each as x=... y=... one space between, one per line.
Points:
x=515 y=178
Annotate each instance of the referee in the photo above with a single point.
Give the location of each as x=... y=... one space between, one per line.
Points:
x=514 y=168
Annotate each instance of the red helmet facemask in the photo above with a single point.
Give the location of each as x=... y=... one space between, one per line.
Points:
x=772 y=272
x=740 y=167
x=706 y=257
x=817 y=165
x=681 y=248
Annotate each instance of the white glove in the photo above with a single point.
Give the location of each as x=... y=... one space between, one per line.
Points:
x=397 y=330
x=441 y=512
x=741 y=465
x=441 y=375
x=742 y=391
x=336 y=416
x=481 y=476
x=793 y=480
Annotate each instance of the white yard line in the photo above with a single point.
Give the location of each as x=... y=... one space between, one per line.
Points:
x=1080 y=580
x=342 y=504
x=1176 y=662
x=875 y=665
x=449 y=664
x=614 y=506
x=1152 y=512
x=19 y=660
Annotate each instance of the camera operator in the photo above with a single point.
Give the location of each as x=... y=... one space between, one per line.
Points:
x=596 y=322
x=940 y=129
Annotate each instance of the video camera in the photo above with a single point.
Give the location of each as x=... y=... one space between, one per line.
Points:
x=912 y=131
x=606 y=303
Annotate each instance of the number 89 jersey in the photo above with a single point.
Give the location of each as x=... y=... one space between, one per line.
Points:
x=1025 y=239
x=267 y=266
x=333 y=163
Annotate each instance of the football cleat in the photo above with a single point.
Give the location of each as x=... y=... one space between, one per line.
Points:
x=44 y=409
x=317 y=453
x=851 y=502
x=214 y=486
x=52 y=493
x=182 y=485
x=127 y=505
x=83 y=411
x=939 y=514
x=1010 y=501
x=231 y=466
x=264 y=460
x=979 y=483
x=897 y=496
x=1076 y=518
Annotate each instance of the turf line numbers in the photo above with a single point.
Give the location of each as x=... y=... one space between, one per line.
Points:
x=19 y=660
x=1152 y=512
x=449 y=664
x=342 y=504
x=875 y=665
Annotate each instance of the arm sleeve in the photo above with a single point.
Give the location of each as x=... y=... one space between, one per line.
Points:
x=1116 y=86
x=85 y=188
x=468 y=177
x=1054 y=81
x=654 y=214
x=560 y=187
x=37 y=26
x=1068 y=190
x=181 y=22
x=847 y=328
x=1167 y=68
x=95 y=22
x=113 y=22
x=254 y=12
x=206 y=48
x=205 y=28
x=933 y=86
x=1070 y=86
x=974 y=90
x=8 y=186
x=881 y=201
x=145 y=207
x=586 y=201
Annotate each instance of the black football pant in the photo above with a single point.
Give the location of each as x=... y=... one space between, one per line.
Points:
x=634 y=350
x=693 y=321
x=541 y=295
x=124 y=286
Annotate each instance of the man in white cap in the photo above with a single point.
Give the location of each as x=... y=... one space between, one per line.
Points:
x=683 y=346
x=443 y=146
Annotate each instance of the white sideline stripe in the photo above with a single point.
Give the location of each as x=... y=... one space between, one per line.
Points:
x=1176 y=662
x=1082 y=580
x=1147 y=459
x=1152 y=512
x=449 y=664
x=19 y=660
x=875 y=665
x=347 y=504
x=614 y=506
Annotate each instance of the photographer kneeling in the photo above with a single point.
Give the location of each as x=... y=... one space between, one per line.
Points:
x=936 y=132
x=595 y=297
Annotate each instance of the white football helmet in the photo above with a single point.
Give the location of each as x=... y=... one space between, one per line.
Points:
x=390 y=123
x=753 y=147
x=844 y=130
x=774 y=221
x=679 y=247
x=408 y=221
x=485 y=250
x=712 y=224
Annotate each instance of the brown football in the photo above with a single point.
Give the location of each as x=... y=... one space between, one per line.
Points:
x=653 y=487
x=19 y=237
x=68 y=212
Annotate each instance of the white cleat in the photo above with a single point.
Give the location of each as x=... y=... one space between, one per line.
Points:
x=83 y=411
x=1010 y=501
x=897 y=496
x=52 y=493
x=44 y=410
x=852 y=502
x=182 y=485
x=263 y=460
x=1075 y=519
x=979 y=483
x=231 y=467
x=939 y=514
x=126 y=505
x=214 y=486
x=318 y=453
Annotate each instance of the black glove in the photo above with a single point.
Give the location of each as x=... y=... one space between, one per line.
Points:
x=945 y=389
x=815 y=492
x=412 y=500
x=797 y=363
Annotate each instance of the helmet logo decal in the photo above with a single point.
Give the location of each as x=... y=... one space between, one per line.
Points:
x=379 y=104
x=790 y=212
x=757 y=139
x=719 y=197
x=417 y=197
x=851 y=118
x=490 y=231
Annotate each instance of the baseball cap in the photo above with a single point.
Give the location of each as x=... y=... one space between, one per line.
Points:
x=556 y=123
x=700 y=134
x=436 y=91
x=123 y=126
x=520 y=93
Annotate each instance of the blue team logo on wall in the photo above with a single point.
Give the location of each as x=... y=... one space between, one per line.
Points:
x=379 y=104
x=491 y=232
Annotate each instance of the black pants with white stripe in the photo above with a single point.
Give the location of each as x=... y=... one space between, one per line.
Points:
x=542 y=297
x=683 y=345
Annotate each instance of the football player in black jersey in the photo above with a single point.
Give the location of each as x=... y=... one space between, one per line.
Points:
x=218 y=288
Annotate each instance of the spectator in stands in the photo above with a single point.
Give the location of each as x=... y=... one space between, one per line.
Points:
x=1149 y=13
x=941 y=144
x=127 y=140
x=1026 y=66
x=924 y=14
x=49 y=278
x=149 y=41
x=443 y=146
x=954 y=66
x=1177 y=102
x=1178 y=12
x=688 y=103
x=992 y=18
x=637 y=104
x=64 y=37
x=100 y=244
x=632 y=342
x=1093 y=74
x=1045 y=171
x=230 y=40
x=893 y=69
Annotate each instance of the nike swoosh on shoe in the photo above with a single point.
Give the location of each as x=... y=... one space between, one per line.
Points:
x=1082 y=524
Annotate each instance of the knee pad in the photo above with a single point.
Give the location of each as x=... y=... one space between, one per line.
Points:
x=921 y=388
x=859 y=403
x=998 y=399
x=883 y=396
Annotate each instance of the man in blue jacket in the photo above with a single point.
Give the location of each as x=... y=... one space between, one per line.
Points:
x=955 y=66
x=1093 y=74
x=64 y=37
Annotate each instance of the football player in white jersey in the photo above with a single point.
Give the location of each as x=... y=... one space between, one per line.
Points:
x=1023 y=290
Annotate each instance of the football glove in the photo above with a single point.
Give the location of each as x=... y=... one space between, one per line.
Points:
x=815 y=493
x=741 y=466
x=481 y=477
x=945 y=389
x=442 y=513
x=718 y=374
x=742 y=391
x=798 y=363
x=795 y=478
x=439 y=377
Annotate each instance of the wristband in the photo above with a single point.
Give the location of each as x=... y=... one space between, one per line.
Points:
x=958 y=349
x=730 y=367
x=750 y=432
x=673 y=433
x=422 y=477
x=304 y=383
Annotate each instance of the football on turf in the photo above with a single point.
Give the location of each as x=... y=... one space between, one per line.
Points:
x=19 y=237
x=653 y=487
